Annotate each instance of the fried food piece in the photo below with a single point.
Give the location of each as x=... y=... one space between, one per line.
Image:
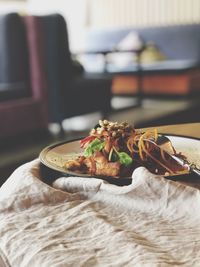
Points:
x=76 y=165
x=97 y=165
x=72 y=165
x=103 y=166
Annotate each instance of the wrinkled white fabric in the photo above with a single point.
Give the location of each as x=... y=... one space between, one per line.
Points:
x=88 y=222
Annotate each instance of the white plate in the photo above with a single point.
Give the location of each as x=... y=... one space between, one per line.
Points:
x=190 y=147
x=55 y=156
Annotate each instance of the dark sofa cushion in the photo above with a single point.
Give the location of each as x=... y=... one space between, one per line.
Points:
x=10 y=91
x=14 y=71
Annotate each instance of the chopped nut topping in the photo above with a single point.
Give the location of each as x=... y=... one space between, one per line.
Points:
x=113 y=129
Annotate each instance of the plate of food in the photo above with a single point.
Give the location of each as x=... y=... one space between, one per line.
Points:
x=112 y=151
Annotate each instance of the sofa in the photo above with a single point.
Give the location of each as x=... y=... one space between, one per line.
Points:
x=177 y=72
x=39 y=82
x=23 y=88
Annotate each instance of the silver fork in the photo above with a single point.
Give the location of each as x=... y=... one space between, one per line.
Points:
x=165 y=144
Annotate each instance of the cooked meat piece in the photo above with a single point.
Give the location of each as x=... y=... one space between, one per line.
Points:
x=95 y=165
x=76 y=165
x=105 y=168
x=73 y=165
x=90 y=165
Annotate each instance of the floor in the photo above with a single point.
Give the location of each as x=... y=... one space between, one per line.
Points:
x=14 y=154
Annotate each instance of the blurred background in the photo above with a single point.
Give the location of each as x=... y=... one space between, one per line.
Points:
x=66 y=64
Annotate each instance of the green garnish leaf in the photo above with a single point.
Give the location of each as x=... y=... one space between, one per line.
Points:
x=95 y=145
x=124 y=158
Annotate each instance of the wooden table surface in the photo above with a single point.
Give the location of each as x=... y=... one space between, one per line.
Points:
x=187 y=129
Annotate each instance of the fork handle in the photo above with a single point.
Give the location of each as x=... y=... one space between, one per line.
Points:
x=195 y=170
x=191 y=166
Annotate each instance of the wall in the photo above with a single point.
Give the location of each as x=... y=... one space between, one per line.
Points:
x=119 y=13
x=74 y=12
x=11 y=6
x=84 y=14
